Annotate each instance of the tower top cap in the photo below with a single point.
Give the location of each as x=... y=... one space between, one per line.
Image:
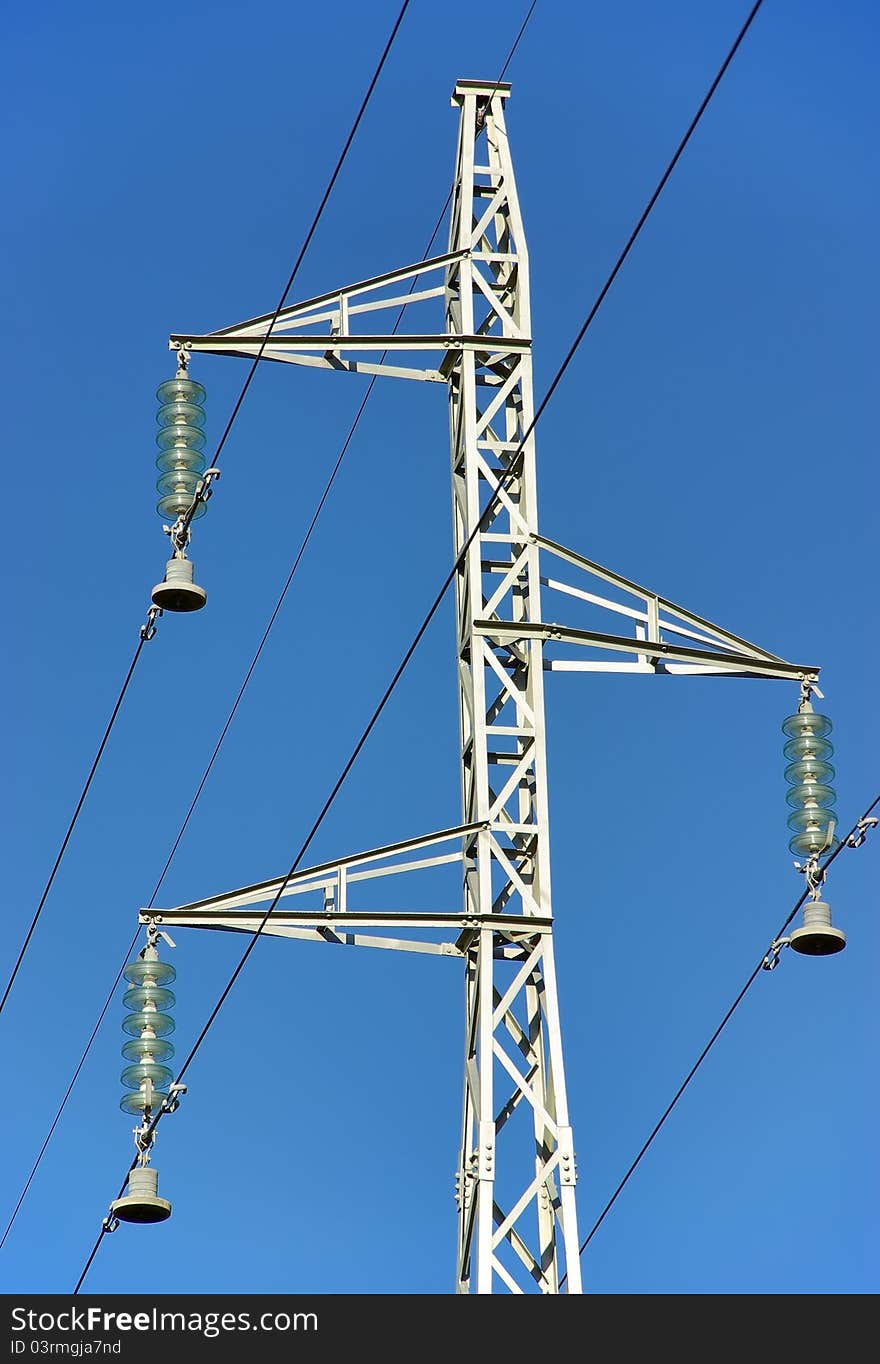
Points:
x=486 y=88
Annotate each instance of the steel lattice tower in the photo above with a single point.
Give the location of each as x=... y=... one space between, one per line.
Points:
x=510 y=977
x=517 y=1220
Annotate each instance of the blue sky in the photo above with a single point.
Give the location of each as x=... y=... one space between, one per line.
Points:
x=714 y=439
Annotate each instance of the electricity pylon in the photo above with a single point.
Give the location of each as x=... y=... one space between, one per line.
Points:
x=517 y=1219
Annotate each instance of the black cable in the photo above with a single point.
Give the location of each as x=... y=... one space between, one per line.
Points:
x=147 y=1134
x=223 y=438
x=308 y=237
x=844 y=843
x=244 y=684
x=79 y=805
x=509 y=58
x=506 y=478
x=230 y=717
x=654 y=197
x=69 y=1090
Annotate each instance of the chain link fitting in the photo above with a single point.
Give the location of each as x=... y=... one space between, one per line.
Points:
x=857 y=838
x=771 y=960
x=143 y=1140
x=148 y=629
x=814 y=874
x=179 y=535
x=172 y=1103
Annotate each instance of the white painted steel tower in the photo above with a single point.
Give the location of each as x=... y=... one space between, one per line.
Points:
x=517 y=1219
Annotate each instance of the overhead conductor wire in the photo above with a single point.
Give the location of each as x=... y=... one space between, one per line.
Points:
x=144 y=636
x=273 y=617
x=500 y=486
x=224 y=731
x=146 y=633
x=844 y=843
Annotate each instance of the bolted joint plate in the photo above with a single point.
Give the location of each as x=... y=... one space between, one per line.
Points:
x=486 y=1151
x=567 y=1171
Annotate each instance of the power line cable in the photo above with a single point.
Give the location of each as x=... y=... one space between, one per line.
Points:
x=500 y=487
x=280 y=601
x=845 y=843
x=224 y=731
x=73 y=1079
x=651 y=202
x=187 y=519
x=191 y=511
x=144 y=636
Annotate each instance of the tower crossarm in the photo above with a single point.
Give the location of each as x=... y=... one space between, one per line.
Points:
x=651 y=653
x=665 y=639
x=332 y=882
x=335 y=919
x=329 y=332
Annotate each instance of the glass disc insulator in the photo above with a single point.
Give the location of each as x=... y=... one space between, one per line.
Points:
x=140 y=971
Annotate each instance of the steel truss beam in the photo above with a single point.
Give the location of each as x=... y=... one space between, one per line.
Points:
x=719 y=653
x=331 y=926
x=650 y=650
x=332 y=345
x=517 y=1220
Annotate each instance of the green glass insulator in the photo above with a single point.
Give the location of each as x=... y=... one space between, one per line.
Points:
x=808 y=774
x=180 y=414
x=181 y=417
x=180 y=457
x=811 y=794
x=806 y=723
x=133 y=1076
x=180 y=388
x=179 y=480
x=148 y=1048
x=161 y=972
x=180 y=434
x=810 y=842
x=810 y=818
x=152 y=1019
x=808 y=747
x=809 y=769
x=177 y=504
x=143 y=996
x=147 y=998
x=135 y=1103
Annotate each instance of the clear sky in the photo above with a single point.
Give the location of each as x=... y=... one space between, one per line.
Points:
x=714 y=439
